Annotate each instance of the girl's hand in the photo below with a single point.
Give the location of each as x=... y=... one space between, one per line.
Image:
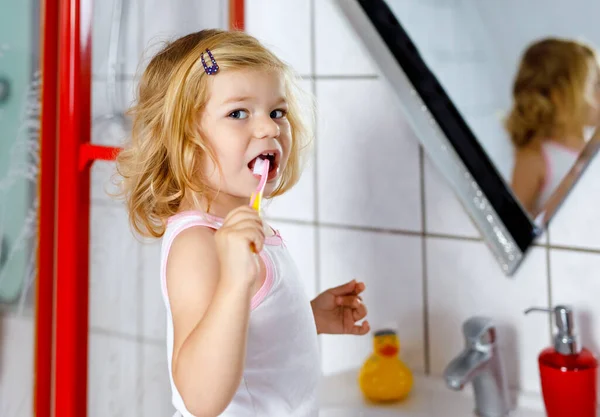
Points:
x=238 y=241
x=338 y=309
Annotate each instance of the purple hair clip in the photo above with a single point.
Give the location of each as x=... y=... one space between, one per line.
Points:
x=214 y=67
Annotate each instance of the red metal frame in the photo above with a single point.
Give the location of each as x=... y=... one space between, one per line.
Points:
x=46 y=191
x=236 y=15
x=72 y=225
x=62 y=304
x=89 y=153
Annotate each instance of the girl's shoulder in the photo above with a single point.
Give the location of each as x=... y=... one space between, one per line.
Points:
x=530 y=160
x=189 y=228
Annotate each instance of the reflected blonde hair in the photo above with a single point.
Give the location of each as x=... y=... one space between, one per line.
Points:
x=159 y=167
x=549 y=91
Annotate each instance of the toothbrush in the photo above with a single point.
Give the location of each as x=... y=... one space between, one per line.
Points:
x=261 y=167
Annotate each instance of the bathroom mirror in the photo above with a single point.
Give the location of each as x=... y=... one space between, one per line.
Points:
x=503 y=95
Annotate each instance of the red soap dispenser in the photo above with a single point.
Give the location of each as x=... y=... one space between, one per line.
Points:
x=568 y=373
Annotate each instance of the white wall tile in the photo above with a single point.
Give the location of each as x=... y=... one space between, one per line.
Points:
x=166 y=21
x=444 y=213
x=16 y=366
x=367 y=157
x=102 y=102
x=154 y=313
x=108 y=125
x=112 y=375
x=114 y=278
x=129 y=45
x=283 y=27
x=464 y=280
x=575 y=282
x=102 y=185
x=391 y=268
x=155 y=399
x=299 y=202
x=576 y=224
x=300 y=242
x=338 y=49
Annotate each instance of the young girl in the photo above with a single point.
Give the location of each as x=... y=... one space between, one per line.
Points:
x=556 y=96
x=241 y=334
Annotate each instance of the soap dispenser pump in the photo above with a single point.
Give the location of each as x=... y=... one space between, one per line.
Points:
x=568 y=372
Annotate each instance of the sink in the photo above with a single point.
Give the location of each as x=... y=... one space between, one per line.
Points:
x=341 y=397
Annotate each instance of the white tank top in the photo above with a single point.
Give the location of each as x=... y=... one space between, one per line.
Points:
x=559 y=160
x=282 y=367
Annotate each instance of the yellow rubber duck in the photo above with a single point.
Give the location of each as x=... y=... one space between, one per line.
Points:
x=384 y=377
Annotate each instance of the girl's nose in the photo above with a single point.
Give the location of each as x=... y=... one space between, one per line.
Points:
x=266 y=128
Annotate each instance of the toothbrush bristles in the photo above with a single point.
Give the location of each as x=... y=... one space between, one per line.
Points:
x=258 y=166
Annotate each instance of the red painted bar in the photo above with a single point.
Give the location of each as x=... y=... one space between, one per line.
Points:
x=89 y=153
x=72 y=228
x=44 y=308
x=236 y=14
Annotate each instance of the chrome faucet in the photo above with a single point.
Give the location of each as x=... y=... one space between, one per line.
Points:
x=481 y=364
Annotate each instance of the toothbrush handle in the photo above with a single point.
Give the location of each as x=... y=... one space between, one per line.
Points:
x=255 y=201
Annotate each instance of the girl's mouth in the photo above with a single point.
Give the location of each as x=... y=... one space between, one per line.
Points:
x=273 y=159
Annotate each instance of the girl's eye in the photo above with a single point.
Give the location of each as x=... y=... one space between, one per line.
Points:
x=238 y=114
x=278 y=114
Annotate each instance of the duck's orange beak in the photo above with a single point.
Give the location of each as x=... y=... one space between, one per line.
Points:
x=388 y=350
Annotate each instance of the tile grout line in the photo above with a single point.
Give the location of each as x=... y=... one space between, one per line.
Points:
x=549 y=281
x=313 y=85
x=571 y=248
x=341 y=226
x=140 y=326
x=425 y=286
x=140 y=267
x=120 y=77
x=141 y=41
x=138 y=338
x=405 y=232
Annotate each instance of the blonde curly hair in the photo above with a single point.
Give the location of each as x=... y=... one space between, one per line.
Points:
x=158 y=168
x=549 y=90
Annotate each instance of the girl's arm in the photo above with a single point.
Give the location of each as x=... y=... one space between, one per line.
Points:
x=210 y=309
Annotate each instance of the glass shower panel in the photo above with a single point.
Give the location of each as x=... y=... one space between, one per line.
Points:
x=19 y=148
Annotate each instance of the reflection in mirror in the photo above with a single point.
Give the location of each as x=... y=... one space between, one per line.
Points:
x=532 y=93
x=509 y=112
x=556 y=97
x=19 y=149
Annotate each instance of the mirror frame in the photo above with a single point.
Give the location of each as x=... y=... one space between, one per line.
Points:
x=444 y=133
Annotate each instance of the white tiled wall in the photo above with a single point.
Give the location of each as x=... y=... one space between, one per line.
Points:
x=370 y=206
x=16 y=366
